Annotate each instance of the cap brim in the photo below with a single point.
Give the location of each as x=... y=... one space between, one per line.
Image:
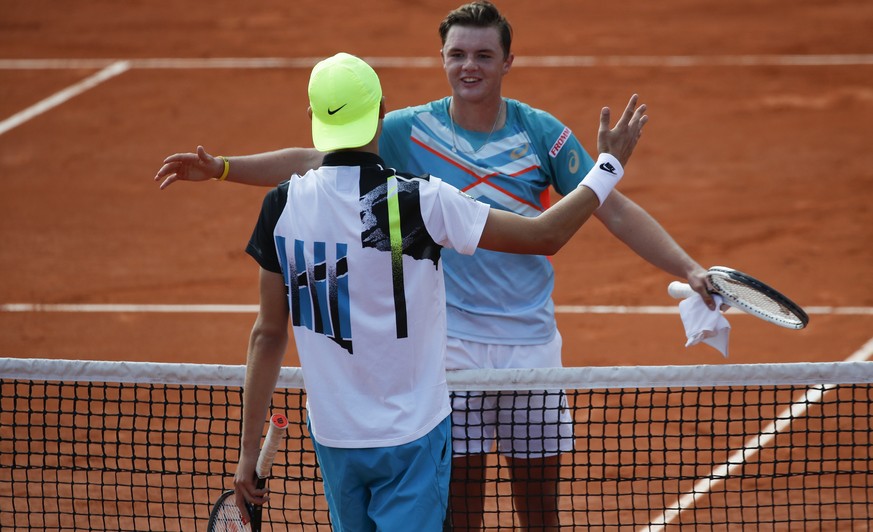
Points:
x=331 y=137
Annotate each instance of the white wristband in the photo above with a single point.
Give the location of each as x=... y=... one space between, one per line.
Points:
x=603 y=177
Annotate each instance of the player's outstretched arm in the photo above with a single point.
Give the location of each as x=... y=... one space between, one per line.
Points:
x=548 y=232
x=262 y=169
x=631 y=224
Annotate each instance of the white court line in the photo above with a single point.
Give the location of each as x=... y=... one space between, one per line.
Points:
x=219 y=309
x=58 y=98
x=547 y=61
x=235 y=309
x=87 y=308
x=738 y=458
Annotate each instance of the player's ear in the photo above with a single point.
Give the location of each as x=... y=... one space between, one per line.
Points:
x=309 y=112
x=507 y=63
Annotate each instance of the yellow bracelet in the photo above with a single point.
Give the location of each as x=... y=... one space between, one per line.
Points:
x=226 y=168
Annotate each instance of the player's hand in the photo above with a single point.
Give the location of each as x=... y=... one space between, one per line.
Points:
x=699 y=282
x=198 y=166
x=621 y=140
x=245 y=489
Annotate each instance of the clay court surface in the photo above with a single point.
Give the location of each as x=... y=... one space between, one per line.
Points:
x=757 y=156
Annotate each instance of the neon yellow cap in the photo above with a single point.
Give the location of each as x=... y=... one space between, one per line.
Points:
x=345 y=96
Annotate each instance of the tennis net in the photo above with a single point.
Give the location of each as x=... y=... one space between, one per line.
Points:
x=90 y=445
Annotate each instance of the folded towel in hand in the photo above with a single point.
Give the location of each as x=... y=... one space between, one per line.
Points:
x=704 y=325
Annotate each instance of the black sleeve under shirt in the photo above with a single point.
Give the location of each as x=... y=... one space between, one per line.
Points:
x=261 y=245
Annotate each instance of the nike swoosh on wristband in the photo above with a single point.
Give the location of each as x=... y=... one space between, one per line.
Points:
x=607 y=167
x=335 y=111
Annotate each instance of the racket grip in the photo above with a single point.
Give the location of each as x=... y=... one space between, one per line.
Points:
x=275 y=435
x=679 y=290
x=256 y=510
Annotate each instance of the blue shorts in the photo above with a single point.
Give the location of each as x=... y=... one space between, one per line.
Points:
x=404 y=487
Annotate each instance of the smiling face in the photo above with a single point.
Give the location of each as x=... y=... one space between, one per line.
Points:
x=474 y=62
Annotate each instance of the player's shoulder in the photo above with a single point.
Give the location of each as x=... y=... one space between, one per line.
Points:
x=547 y=132
x=406 y=113
x=430 y=186
x=280 y=190
x=530 y=113
x=409 y=176
x=277 y=196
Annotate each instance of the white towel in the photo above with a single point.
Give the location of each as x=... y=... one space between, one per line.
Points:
x=704 y=325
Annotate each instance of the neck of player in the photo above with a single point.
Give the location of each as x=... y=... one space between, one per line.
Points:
x=483 y=117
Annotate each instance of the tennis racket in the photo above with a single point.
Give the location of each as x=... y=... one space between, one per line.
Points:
x=750 y=295
x=225 y=515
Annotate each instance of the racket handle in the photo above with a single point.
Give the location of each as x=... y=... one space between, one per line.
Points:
x=256 y=510
x=275 y=436
x=679 y=290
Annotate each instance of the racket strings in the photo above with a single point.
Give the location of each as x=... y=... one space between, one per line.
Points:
x=227 y=518
x=757 y=301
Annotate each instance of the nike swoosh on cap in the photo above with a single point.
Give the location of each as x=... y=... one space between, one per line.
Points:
x=335 y=111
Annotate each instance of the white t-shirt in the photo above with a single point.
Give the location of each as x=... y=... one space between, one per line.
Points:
x=359 y=246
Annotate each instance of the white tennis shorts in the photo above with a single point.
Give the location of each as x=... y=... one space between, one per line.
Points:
x=524 y=424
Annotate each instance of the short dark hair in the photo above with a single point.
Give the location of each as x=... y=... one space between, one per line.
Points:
x=480 y=14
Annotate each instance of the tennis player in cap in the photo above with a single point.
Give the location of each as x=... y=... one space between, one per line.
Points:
x=350 y=251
